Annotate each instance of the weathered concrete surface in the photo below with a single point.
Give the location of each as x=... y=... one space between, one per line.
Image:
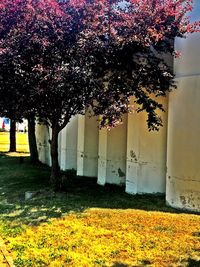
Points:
x=126 y=155
x=130 y=154
x=183 y=152
x=43 y=135
x=112 y=155
x=68 y=145
x=102 y=157
x=87 y=148
x=146 y=154
x=116 y=154
x=183 y=168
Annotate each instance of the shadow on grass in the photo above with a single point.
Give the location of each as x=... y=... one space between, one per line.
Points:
x=118 y=264
x=81 y=193
x=190 y=263
x=193 y=263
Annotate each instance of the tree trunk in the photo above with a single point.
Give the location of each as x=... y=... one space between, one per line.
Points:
x=55 y=178
x=12 y=135
x=32 y=140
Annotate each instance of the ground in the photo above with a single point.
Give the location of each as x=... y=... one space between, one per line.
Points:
x=88 y=225
x=21 y=141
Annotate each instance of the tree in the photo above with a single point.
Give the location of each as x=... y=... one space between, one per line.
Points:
x=7 y=102
x=130 y=41
x=38 y=37
x=14 y=104
x=72 y=55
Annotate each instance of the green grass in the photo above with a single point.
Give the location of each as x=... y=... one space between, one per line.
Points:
x=80 y=193
x=21 y=142
x=56 y=229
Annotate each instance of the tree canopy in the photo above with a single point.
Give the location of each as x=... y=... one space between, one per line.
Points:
x=59 y=58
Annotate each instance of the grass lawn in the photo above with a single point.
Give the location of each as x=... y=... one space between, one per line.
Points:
x=89 y=225
x=21 y=142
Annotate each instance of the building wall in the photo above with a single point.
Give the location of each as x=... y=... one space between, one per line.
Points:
x=127 y=155
x=112 y=155
x=130 y=155
x=68 y=145
x=183 y=150
x=43 y=136
x=146 y=154
x=87 y=152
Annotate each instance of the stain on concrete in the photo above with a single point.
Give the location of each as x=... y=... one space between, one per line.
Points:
x=133 y=155
x=183 y=200
x=121 y=173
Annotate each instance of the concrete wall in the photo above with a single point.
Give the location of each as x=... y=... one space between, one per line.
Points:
x=183 y=151
x=127 y=155
x=43 y=136
x=146 y=154
x=68 y=145
x=130 y=155
x=87 y=150
x=112 y=155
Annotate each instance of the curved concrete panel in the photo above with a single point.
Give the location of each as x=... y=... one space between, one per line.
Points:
x=146 y=154
x=43 y=135
x=183 y=152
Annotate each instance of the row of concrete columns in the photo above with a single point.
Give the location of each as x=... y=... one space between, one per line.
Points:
x=143 y=161
x=127 y=155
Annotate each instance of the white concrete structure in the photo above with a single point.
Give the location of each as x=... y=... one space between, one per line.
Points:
x=87 y=148
x=183 y=151
x=68 y=145
x=127 y=155
x=43 y=137
x=130 y=155
x=146 y=155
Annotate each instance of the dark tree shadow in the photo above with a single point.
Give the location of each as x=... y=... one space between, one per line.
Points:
x=119 y=264
x=193 y=263
x=80 y=193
